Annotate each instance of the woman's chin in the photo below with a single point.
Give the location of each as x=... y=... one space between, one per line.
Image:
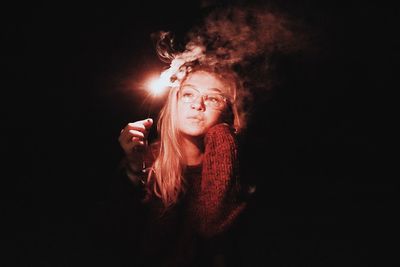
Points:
x=195 y=131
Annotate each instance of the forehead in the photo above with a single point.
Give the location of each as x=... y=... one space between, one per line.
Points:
x=202 y=80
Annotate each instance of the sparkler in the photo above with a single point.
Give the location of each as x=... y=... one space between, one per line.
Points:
x=171 y=77
x=156 y=87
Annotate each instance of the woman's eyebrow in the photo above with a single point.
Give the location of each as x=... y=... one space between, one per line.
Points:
x=208 y=89
x=188 y=85
x=215 y=89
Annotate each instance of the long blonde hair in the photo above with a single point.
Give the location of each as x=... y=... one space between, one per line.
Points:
x=166 y=176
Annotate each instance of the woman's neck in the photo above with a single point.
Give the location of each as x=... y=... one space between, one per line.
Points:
x=193 y=150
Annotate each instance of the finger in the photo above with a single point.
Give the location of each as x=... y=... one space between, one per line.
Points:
x=132 y=141
x=141 y=125
x=148 y=123
x=129 y=135
x=137 y=125
x=137 y=142
x=135 y=129
x=136 y=134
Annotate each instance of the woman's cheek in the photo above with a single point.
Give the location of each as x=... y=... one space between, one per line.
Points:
x=213 y=119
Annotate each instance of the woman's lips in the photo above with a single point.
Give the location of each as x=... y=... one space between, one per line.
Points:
x=195 y=118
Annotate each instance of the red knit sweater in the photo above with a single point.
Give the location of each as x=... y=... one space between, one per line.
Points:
x=207 y=210
x=215 y=202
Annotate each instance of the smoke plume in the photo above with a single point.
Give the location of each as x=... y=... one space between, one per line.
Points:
x=232 y=36
x=243 y=38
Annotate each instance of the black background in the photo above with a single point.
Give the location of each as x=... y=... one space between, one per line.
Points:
x=313 y=146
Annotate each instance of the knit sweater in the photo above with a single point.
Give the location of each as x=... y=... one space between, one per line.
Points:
x=215 y=202
x=197 y=228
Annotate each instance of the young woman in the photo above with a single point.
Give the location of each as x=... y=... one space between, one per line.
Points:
x=188 y=181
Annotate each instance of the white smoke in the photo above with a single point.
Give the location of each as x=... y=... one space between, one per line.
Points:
x=229 y=36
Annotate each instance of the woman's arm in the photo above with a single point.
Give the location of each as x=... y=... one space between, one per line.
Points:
x=218 y=204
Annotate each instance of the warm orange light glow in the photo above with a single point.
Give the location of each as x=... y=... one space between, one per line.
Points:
x=156 y=86
x=159 y=85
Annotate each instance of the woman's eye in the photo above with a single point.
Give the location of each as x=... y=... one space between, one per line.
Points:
x=188 y=95
x=213 y=99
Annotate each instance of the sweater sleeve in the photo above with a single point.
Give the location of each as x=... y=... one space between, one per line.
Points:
x=218 y=204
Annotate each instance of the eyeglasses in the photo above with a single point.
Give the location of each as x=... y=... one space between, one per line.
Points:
x=214 y=100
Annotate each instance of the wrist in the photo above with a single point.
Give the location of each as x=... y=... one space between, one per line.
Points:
x=135 y=170
x=138 y=177
x=134 y=167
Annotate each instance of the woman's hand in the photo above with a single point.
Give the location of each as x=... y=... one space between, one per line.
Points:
x=133 y=137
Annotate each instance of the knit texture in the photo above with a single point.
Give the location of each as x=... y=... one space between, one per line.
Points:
x=216 y=204
x=196 y=229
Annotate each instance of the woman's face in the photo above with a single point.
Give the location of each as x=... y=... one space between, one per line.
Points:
x=201 y=102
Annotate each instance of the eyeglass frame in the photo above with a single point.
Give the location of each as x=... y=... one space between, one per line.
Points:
x=226 y=99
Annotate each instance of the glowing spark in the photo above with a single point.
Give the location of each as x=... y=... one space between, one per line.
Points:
x=172 y=76
x=157 y=86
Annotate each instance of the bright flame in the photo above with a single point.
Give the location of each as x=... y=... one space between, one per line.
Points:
x=157 y=86
x=160 y=84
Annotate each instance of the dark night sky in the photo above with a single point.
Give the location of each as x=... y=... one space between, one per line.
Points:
x=323 y=196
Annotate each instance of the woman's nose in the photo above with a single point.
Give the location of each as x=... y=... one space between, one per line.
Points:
x=198 y=103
